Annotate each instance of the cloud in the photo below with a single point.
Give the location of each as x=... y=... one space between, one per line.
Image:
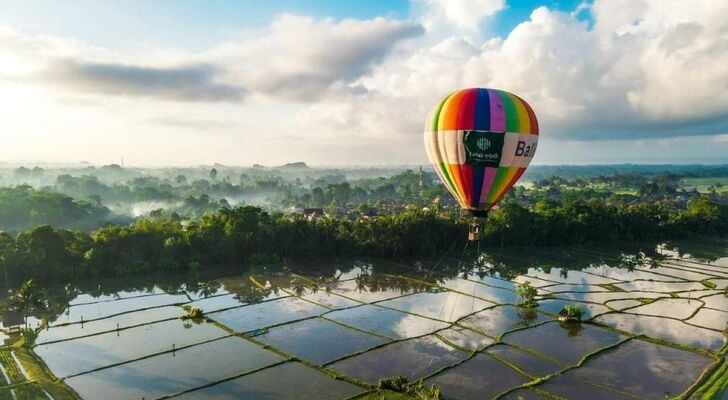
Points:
x=296 y=57
x=185 y=83
x=644 y=69
x=465 y=14
x=189 y=123
x=302 y=57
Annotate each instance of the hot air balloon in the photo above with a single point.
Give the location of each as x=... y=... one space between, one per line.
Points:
x=480 y=141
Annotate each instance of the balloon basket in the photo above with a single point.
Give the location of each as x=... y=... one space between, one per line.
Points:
x=474 y=232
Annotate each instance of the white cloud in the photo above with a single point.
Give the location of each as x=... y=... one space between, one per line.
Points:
x=297 y=57
x=646 y=69
x=301 y=57
x=465 y=14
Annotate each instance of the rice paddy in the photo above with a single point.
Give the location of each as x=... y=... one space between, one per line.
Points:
x=653 y=329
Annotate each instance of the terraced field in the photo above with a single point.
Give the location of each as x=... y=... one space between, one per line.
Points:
x=651 y=329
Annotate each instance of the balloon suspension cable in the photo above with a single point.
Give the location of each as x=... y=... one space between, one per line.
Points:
x=449 y=249
x=462 y=256
x=478 y=251
x=476 y=227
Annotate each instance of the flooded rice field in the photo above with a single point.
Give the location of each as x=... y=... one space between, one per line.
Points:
x=653 y=326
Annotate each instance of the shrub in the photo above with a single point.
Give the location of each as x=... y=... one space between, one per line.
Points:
x=571 y=312
x=191 y=312
x=527 y=293
x=416 y=389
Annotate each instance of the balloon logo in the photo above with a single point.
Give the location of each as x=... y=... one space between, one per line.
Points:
x=480 y=141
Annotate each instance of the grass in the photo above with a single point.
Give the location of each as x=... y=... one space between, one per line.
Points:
x=40 y=378
x=716 y=385
x=703 y=184
x=384 y=395
x=708 y=283
x=37 y=372
x=11 y=367
x=611 y=288
x=26 y=392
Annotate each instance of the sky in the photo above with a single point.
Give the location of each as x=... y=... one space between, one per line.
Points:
x=335 y=82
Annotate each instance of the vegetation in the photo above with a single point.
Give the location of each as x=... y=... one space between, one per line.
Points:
x=86 y=198
x=23 y=207
x=384 y=395
x=251 y=235
x=191 y=312
x=417 y=390
x=527 y=293
x=40 y=378
x=716 y=386
x=26 y=299
x=122 y=221
x=571 y=312
x=11 y=367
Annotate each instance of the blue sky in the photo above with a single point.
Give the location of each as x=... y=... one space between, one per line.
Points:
x=194 y=25
x=175 y=23
x=242 y=82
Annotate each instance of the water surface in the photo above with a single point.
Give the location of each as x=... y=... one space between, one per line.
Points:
x=459 y=325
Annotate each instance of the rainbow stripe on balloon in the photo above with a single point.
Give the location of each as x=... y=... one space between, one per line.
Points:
x=480 y=185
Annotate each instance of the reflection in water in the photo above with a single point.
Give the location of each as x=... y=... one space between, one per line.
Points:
x=63 y=332
x=470 y=380
x=527 y=316
x=414 y=358
x=287 y=381
x=318 y=340
x=389 y=323
x=664 y=328
x=71 y=357
x=465 y=338
x=492 y=268
x=498 y=320
x=531 y=364
x=174 y=372
x=644 y=369
x=563 y=342
x=712 y=319
x=314 y=311
x=675 y=308
x=573 y=329
x=445 y=306
x=257 y=316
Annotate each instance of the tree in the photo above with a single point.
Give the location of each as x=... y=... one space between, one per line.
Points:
x=213 y=174
x=25 y=299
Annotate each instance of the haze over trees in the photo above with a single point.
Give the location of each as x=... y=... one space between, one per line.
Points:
x=249 y=235
x=111 y=221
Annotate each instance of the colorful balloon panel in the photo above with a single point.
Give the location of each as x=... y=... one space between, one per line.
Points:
x=480 y=141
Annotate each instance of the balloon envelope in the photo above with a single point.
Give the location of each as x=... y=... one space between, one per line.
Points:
x=480 y=142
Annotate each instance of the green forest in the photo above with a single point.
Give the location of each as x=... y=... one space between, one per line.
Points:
x=68 y=230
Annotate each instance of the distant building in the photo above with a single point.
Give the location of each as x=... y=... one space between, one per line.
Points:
x=13 y=322
x=313 y=212
x=370 y=212
x=298 y=208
